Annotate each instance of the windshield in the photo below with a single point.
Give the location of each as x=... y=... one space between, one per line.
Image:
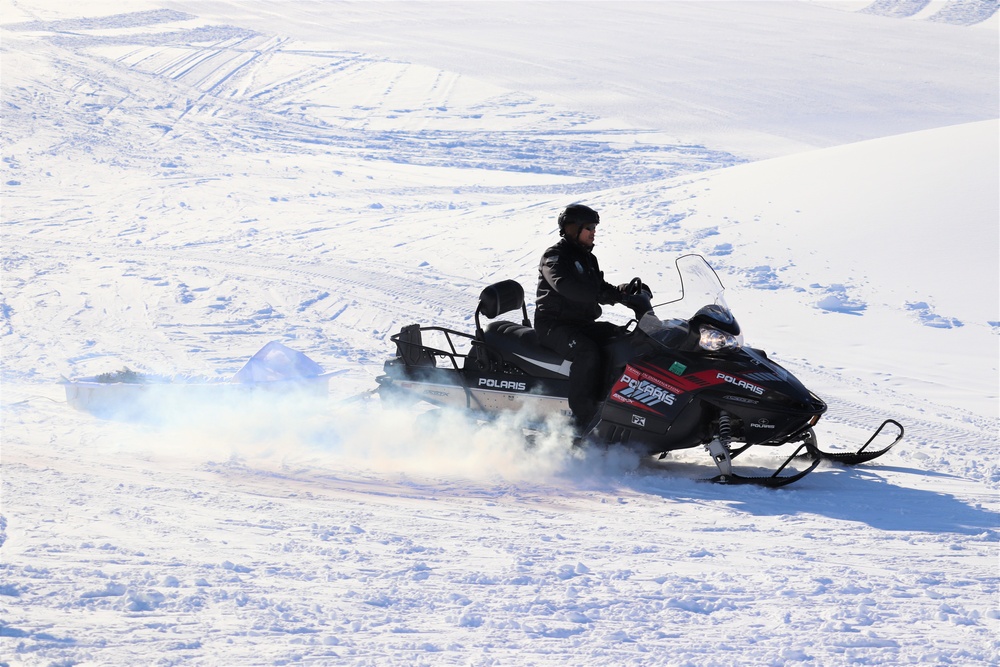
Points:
x=700 y=286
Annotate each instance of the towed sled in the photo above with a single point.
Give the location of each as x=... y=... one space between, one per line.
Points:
x=671 y=384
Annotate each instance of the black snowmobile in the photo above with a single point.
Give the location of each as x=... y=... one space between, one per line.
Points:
x=671 y=383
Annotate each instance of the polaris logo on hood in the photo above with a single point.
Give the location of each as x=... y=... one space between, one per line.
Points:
x=740 y=383
x=509 y=385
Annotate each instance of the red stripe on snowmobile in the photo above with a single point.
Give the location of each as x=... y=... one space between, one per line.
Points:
x=681 y=384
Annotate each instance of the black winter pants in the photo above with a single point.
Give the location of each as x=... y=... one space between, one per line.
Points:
x=581 y=343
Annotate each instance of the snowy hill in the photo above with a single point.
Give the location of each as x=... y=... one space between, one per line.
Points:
x=187 y=181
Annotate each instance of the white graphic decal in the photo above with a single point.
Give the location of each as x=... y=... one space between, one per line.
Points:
x=645 y=392
x=562 y=369
x=502 y=384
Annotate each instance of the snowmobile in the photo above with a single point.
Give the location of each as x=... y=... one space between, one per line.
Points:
x=671 y=384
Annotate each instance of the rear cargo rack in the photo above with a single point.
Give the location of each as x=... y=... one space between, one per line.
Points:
x=411 y=348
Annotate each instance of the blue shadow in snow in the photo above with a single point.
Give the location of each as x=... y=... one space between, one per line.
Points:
x=847 y=494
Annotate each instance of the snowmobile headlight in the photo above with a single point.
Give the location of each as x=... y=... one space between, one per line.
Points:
x=714 y=340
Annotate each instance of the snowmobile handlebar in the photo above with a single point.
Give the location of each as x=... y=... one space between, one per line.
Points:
x=636 y=295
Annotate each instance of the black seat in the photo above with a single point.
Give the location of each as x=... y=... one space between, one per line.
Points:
x=517 y=344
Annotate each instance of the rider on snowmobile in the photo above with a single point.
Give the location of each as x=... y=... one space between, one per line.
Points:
x=571 y=287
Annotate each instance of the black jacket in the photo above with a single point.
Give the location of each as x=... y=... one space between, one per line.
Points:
x=571 y=286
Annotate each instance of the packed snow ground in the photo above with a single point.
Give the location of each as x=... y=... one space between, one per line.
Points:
x=186 y=181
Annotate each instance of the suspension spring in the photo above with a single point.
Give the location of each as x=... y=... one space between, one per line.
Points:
x=725 y=428
x=719 y=447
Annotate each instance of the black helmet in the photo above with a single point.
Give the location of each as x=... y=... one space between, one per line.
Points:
x=577 y=214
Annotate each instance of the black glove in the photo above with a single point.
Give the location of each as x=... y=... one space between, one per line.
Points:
x=635 y=286
x=639 y=303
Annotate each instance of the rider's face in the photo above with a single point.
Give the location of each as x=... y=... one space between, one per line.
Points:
x=587 y=235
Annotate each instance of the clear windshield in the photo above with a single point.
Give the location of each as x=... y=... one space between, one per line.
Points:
x=700 y=286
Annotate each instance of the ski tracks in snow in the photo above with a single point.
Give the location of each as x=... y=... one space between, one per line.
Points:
x=325 y=307
x=301 y=99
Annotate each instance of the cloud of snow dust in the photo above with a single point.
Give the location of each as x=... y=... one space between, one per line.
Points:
x=514 y=446
x=305 y=429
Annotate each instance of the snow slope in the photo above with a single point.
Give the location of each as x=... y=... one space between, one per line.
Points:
x=754 y=78
x=186 y=181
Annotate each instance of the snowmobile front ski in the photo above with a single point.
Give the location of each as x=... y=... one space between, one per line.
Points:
x=863 y=455
x=723 y=457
